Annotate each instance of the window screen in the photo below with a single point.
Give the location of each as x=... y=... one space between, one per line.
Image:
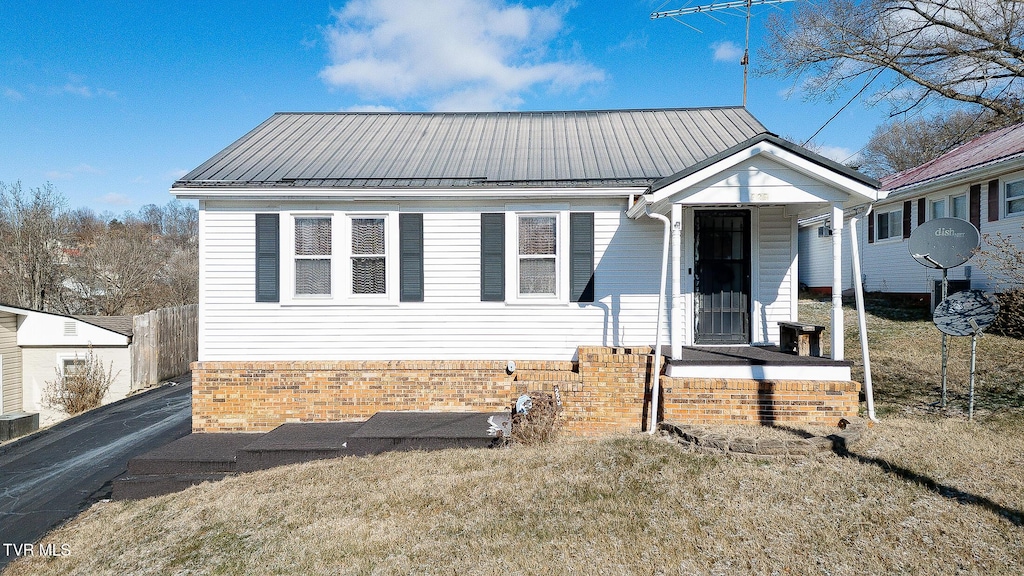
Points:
x=368 y=256
x=537 y=254
x=312 y=256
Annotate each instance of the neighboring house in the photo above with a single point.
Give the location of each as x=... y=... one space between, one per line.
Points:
x=353 y=262
x=37 y=346
x=981 y=181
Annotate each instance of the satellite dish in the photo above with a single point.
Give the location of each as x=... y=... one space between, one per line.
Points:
x=944 y=242
x=965 y=313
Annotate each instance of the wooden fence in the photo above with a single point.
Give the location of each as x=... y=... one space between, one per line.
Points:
x=164 y=344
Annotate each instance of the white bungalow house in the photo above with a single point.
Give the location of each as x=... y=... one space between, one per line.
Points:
x=36 y=346
x=981 y=181
x=339 y=249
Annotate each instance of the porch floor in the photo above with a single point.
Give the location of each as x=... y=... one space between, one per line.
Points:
x=756 y=362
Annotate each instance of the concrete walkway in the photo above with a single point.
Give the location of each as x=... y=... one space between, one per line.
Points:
x=54 y=474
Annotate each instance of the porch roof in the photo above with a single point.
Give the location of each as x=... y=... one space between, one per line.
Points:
x=796 y=176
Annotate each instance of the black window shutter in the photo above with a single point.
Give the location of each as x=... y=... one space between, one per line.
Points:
x=268 y=258
x=581 y=257
x=975 y=205
x=922 y=207
x=492 y=257
x=993 y=200
x=871 y=228
x=906 y=218
x=410 y=257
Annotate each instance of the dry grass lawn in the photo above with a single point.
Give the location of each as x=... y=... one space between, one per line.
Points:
x=922 y=493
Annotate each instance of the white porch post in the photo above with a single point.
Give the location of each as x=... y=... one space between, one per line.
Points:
x=675 y=317
x=838 y=331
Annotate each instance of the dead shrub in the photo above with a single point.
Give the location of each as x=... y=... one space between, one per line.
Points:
x=81 y=386
x=541 y=422
x=1010 y=320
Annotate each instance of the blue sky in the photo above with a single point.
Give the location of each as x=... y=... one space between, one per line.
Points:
x=111 y=101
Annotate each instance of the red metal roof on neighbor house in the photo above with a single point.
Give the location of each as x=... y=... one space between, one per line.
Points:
x=984 y=149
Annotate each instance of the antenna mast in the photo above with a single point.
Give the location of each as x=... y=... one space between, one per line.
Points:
x=714 y=6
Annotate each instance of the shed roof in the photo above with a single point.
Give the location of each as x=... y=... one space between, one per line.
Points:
x=474 y=150
x=121 y=324
x=986 y=149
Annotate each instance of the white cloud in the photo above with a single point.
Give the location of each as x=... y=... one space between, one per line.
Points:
x=13 y=95
x=837 y=153
x=115 y=199
x=70 y=173
x=369 y=108
x=450 y=54
x=727 y=52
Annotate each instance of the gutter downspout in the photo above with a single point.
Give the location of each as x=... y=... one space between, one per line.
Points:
x=858 y=289
x=656 y=384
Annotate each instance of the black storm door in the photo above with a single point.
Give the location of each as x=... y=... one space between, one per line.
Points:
x=722 y=280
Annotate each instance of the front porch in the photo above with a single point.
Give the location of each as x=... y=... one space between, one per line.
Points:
x=753 y=363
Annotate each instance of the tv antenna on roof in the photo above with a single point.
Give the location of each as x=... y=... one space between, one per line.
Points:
x=734 y=5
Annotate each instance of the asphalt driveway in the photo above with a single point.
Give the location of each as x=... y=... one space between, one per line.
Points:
x=53 y=475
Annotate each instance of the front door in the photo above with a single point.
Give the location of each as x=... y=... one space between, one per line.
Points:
x=722 y=278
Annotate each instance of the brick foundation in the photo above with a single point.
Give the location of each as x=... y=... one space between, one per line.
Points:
x=606 y=390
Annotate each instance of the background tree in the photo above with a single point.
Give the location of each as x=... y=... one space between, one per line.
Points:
x=966 y=51
x=33 y=242
x=903 y=144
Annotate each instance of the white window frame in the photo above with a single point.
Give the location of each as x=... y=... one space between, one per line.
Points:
x=289 y=257
x=894 y=232
x=561 y=295
x=933 y=204
x=952 y=206
x=63 y=358
x=341 y=258
x=390 y=256
x=1007 y=199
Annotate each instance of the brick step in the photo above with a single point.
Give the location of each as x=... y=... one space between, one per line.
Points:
x=546 y=365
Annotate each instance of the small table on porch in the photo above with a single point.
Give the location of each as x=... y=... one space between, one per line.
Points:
x=800 y=339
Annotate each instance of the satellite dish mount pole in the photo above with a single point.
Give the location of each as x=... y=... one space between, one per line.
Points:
x=945 y=341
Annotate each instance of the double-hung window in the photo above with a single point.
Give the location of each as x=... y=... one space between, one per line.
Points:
x=537 y=257
x=369 y=255
x=1015 y=197
x=313 y=250
x=958 y=207
x=889 y=224
x=938 y=209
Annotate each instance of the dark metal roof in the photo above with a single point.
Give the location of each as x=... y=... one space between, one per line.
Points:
x=985 y=149
x=485 y=149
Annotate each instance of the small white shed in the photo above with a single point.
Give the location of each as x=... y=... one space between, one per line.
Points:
x=36 y=346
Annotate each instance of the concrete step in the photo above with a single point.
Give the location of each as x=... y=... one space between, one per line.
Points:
x=147 y=486
x=402 y=431
x=193 y=454
x=298 y=442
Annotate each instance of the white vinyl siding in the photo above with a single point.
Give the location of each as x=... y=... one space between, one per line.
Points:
x=775 y=273
x=41 y=366
x=10 y=364
x=451 y=322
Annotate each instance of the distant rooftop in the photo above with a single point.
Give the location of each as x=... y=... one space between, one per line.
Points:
x=474 y=150
x=988 y=148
